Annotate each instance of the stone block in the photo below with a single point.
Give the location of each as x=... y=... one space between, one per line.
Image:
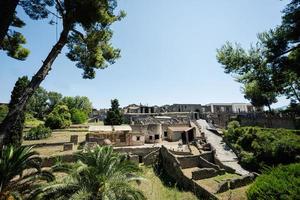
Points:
x=74 y=139
x=68 y=146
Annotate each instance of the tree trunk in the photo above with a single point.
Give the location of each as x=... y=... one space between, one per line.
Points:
x=14 y=114
x=7 y=10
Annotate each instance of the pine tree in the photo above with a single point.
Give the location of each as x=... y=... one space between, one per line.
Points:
x=114 y=115
x=14 y=135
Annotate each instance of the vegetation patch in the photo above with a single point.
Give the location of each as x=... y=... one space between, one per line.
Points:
x=257 y=147
x=282 y=182
x=37 y=133
x=154 y=188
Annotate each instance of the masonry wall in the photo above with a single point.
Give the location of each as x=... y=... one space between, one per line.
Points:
x=172 y=167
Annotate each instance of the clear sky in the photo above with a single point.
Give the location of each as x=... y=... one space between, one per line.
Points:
x=168 y=52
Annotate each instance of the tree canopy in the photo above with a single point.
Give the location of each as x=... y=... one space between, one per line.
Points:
x=114 y=115
x=86 y=32
x=271 y=67
x=11 y=40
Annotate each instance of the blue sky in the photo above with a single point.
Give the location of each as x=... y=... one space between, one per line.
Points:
x=168 y=52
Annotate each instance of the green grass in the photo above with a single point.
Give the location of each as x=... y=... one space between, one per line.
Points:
x=224 y=177
x=33 y=122
x=154 y=189
x=236 y=194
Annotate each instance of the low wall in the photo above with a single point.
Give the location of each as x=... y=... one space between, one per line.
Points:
x=203 y=173
x=141 y=151
x=148 y=154
x=236 y=183
x=188 y=161
x=50 y=161
x=205 y=164
x=181 y=153
x=209 y=156
x=173 y=169
x=151 y=158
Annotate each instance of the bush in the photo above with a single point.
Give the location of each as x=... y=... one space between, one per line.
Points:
x=257 y=147
x=78 y=116
x=60 y=117
x=3 y=112
x=233 y=124
x=248 y=160
x=37 y=133
x=282 y=182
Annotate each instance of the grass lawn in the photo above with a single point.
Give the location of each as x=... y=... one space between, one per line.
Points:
x=211 y=184
x=236 y=194
x=154 y=189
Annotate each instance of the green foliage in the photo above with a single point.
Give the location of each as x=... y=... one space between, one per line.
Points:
x=15 y=133
x=96 y=42
x=257 y=147
x=280 y=183
x=17 y=92
x=39 y=132
x=60 y=117
x=250 y=69
x=53 y=99
x=30 y=121
x=78 y=116
x=114 y=115
x=14 y=161
x=271 y=68
x=3 y=112
x=38 y=105
x=14 y=41
x=13 y=45
x=253 y=92
x=100 y=173
x=233 y=124
x=79 y=102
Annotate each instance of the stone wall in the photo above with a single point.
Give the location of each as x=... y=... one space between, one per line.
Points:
x=209 y=156
x=188 y=161
x=146 y=155
x=252 y=119
x=236 y=182
x=151 y=158
x=268 y=122
x=203 y=173
x=50 y=161
x=172 y=167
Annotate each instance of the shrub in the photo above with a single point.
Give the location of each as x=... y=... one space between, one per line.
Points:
x=282 y=182
x=39 y=132
x=233 y=124
x=267 y=146
x=248 y=160
x=3 y=112
x=78 y=116
x=60 y=117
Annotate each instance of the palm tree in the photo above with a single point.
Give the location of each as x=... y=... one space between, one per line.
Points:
x=99 y=174
x=20 y=172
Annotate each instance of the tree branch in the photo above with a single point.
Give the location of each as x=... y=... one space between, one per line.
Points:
x=289 y=50
x=60 y=7
x=79 y=33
